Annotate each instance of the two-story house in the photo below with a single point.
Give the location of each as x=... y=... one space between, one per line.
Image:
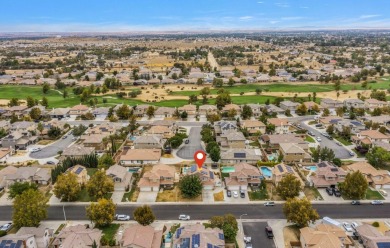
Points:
x=371 y=136
x=253 y=126
x=231 y=139
x=205 y=175
x=354 y=103
x=205 y=110
x=281 y=125
x=289 y=105
x=256 y=109
x=331 y=104
x=294 y=152
x=164 y=112
x=379 y=179
x=327 y=175
x=140 y=110
x=224 y=126
x=78 y=110
x=244 y=175
x=229 y=107
x=148 y=142
x=371 y=104
x=160 y=175
x=281 y=170
x=121 y=177
x=189 y=109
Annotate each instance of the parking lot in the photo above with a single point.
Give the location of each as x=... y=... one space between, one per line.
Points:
x=256 y=230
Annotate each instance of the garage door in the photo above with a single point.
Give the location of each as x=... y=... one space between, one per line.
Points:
x=233 y=187
x=386 y=186
x=146 y=189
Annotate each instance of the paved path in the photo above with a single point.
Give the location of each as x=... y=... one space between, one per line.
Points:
x=52 y=149
x=213 y=63
x=187 y=150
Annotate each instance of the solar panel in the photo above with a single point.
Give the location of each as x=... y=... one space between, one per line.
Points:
x=79 y=170
x=334 y=169
x=178 y=232
x=280 y=168
x=383 y=244
x=240 y=155
x=195 y=240
x=211 y=175
x=193 y=168
x=19 y=244
x=209 y=245
x=220 y=235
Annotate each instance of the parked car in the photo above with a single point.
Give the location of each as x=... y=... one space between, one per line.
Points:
x=319 y=139
x=50 y=162
x=336 y=192
x=351 y=153
x=65 y=136
x=347 y=227
x=122 y=217
x=269 y=232
x=242 y=194
x=187 y=141
x=376 y=202
x=184 y=217
x=354 y=225
x=228 y=193
x=235 y=194
x=318 y=125
x=338 y=143
x=35 y=150
x=269 y=204
x=330 y=137
x=355 y=203
x=329 y=191
x=6 y=227
x=311 y=133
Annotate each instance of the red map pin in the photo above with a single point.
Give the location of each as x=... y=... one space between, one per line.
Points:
x=200 y=157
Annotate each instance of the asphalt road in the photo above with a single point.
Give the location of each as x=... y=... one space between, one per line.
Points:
x=53 y=149
x=205 y=212
x=256 y=230
x=339 y=151
x=187 y=150
x=97 y=122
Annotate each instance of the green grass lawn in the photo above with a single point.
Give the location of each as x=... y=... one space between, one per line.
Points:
x=91 y=171
x=258 y=195
x=2 y=167
x=84 y=197
x=128 y=195
x=309 y=139
x=110 y=230
x=342 y=140
x=370 y=195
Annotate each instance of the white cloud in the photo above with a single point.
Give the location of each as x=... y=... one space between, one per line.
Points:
x=368 y=16
x=273 y=22
x=246 y=17
x=292 y=18
x=260 y=2
x=282 y=5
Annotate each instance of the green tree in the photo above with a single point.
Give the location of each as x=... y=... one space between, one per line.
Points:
x=67 y=187
x=222 y=99
x=301 y=110
x=124 y=112
x=45 y=88
x=190 y=186
x=65 y=94
x=288 y=187
x=325 y=154
x=231 y=82
x=378 y=157
x=101 y=213
x=330 y=129
x=211 y=145
x=54 y=132
x=35 y=113
x=246 y=112
x=18 y=188
x=45 y=102
x=184 y=115
x=354 y=186
x=13 y=102
x=106 y=161
x=326 y=112
x=300 y=212
x=30 y=102
x=29 y=208
x=144 y=215
x=100 y=185
x=215 y=154
x=228 y=224
x=40 y=127
x=150 y=111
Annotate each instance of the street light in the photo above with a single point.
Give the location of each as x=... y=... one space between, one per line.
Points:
x=242 y=227
x=63 y=209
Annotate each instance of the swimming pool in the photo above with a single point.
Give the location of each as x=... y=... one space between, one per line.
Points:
x=267 y=172
x=312 y=168
x=133 y=169
x=186 y=170
x=271 y=157
x=228 y=169
x=132 y=138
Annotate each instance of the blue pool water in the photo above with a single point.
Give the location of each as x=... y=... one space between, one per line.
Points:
x=133 y=169
x=312 y=168
x=228 y=169
x=132 y=138
x=271 y=157
x=267 y=172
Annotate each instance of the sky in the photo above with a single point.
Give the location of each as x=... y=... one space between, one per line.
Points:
x=190 y=15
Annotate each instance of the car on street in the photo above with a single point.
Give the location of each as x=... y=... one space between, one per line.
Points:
x=355 y=203
x=6 y=227
x=329 y=191
x=351 y=153
x=347 y=227
x=228 y=193
x=187 y=141
x=35 y=150
x=184 y=217
x=338 y=143
x=65 y=136
x=311 y=133
x=376 y=202
x=242 y=194
x=318 y=125
x=50 y=162
x=269 y=204
x=235 y=194
x=269 y=232
x=122 y=217
x=330 y=137
x=318 y=139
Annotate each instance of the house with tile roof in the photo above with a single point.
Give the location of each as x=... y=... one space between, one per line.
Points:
x=160 y=176
x=79 y=236
x=244 y=176
x=80 y=172
x=140 y=156
x=120 y=175
x=253 y=126
x=376 y=178
x=281 y=170
x=197 y=235
x=205 y=175
x=324 y=236
x=327 y=175
x=235 y=156
x=148 y=142
x=141 y=237
x=231 y=139
x=294 y=152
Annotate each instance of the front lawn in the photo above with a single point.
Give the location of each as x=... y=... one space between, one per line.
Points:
x=342 y=140
x=370 y=195
x=258 y=195
x=84 y=197
x=174 y=195
x=110 y=231
x=91 y=171
x=312 y=193
x=219 y=196
x=310 y=139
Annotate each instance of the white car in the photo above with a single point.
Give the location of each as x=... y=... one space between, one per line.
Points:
x=235 y=194
x=354 y=225
x=184 y=217
x=347 y=227
x=269 y=204
x=35 y=150
x=6 y=227
x=122 y=217
x=318 y=139
x=377 y=202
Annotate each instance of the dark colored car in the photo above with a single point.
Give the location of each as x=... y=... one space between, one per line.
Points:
x=355 y=203
x=336 y=192
x=268 y=231
x=329 y=191
x=228 y=193
x=242 y=194
x=187 y=141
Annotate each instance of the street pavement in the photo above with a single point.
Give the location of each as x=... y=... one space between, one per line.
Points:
x=187 y=150
x=52 y=149
x=205 y=212
x=256 y=230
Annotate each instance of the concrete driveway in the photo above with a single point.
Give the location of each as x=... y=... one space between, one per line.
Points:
x=187 y=150
x=238 y=199
x=53 y=149
x=147 y=197
x=327 y=197
x=256 y=230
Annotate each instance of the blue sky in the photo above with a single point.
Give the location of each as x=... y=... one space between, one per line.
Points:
x=186 y=15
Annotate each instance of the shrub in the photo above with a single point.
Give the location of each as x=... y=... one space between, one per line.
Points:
x=2 y=233
x=375 y=224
